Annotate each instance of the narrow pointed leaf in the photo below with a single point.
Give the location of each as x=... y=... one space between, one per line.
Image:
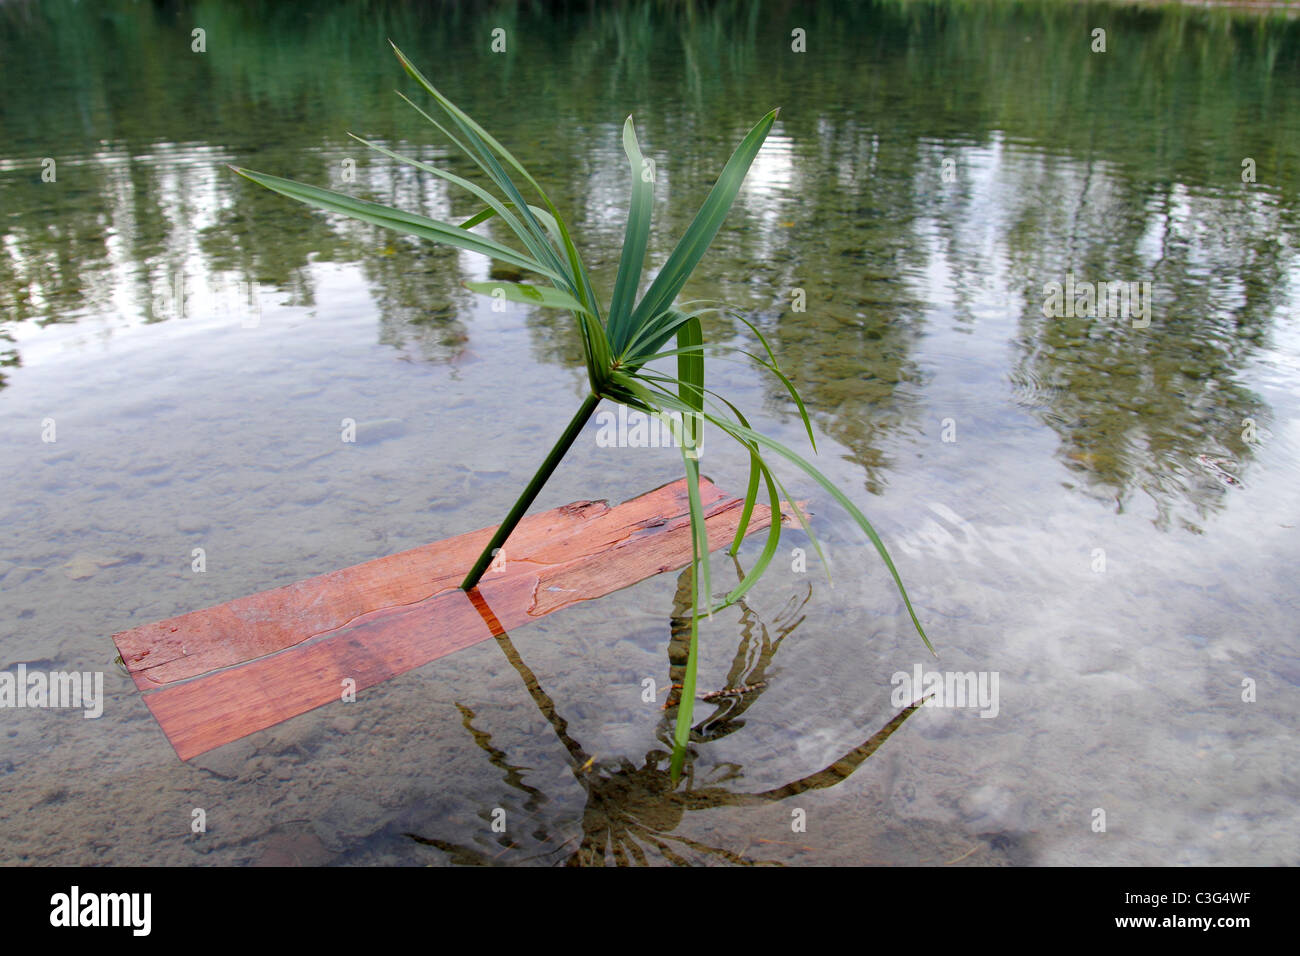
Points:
x=536 y=243
x=686 y=702
x=695 y=241
x=397 y=220
x=585 y=293
x=751 y=490
x=544 y=217
x=843 y=501
x=529 y=295
x=634 y=243
x=776 y=369
x=745 y=435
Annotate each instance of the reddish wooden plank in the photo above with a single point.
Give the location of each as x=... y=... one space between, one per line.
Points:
x=585 y=553
x=212 y=710
x=263 y=623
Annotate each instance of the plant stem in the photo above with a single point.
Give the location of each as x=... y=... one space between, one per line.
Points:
x=534 y=488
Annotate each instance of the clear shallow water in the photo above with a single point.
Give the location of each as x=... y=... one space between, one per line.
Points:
x=1119 y=689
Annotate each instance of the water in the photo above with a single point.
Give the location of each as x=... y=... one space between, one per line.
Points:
x=1102 y=514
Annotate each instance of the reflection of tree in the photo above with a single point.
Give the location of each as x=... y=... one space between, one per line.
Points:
x=858 y=216
x=9 y=357
x=851 y=247
x=259 y=242
x=53 y=264
x=632 y=811
x=416 y=313
x=1137 y=408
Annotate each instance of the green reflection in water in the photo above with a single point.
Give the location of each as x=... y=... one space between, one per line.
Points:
x=1125 y=166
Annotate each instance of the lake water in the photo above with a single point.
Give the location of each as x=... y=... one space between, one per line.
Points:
x=1100 y=509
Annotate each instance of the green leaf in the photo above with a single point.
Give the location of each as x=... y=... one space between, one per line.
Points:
x=480 y=148
x=773 y=367
x=529 y=295
x=464 y=121
x=751 y=490
x=773 y=535
x=647 y=340
x=695 y=241
x=634 y=243
x=757 y=467
x=595 y=346
x=686 y=702
x=699 y=585
x=544 y=217
x=397 y=220
x=535 y=242
x=690 y=369
x=842 y=499
x=690 y=389
x=746 y=435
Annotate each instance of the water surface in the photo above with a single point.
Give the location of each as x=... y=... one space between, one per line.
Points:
x=1102 y=514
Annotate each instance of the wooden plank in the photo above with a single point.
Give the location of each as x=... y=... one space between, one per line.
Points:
x=216 y=675
x=263 y=623
x=202 y=714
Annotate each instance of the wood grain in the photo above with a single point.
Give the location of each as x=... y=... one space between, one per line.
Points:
x=215 y=675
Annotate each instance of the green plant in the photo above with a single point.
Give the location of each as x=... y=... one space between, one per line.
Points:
x=618 y=347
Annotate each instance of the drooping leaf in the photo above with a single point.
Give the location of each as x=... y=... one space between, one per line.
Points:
x=617 y=351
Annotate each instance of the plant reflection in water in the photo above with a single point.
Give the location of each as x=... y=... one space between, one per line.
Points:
x=632 y=811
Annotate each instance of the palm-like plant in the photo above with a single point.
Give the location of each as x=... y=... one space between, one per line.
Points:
x=618 y=346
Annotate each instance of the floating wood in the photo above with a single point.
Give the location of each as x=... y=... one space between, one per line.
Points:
x=216 y=675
